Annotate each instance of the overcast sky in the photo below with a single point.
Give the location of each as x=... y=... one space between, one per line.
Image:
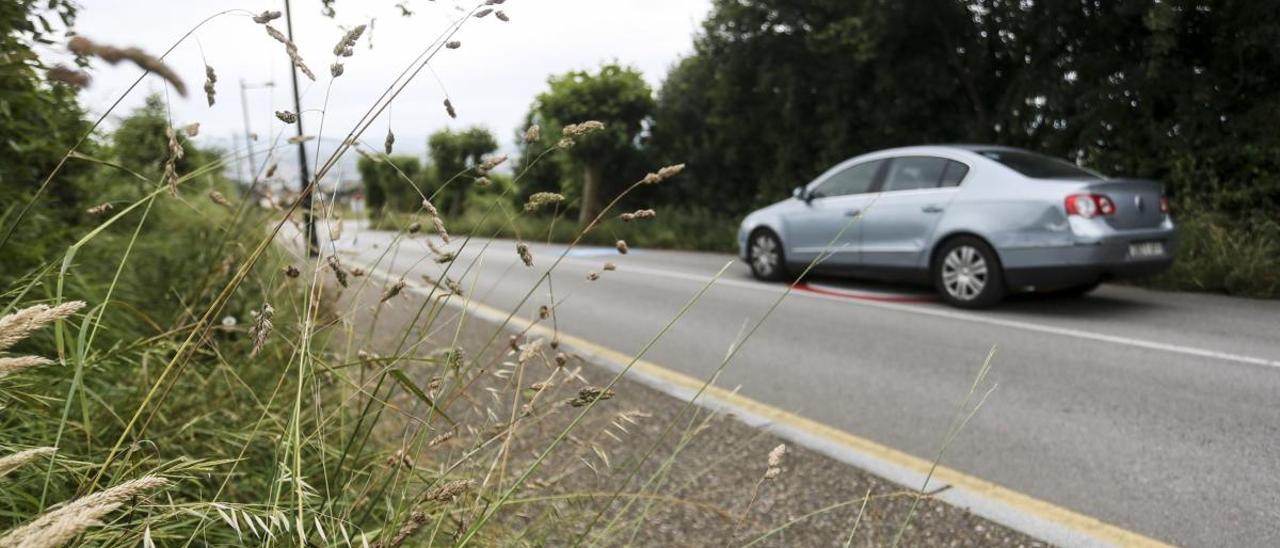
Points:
x=492 y=79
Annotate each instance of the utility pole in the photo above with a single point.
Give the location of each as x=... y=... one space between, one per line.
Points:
x=308 y=215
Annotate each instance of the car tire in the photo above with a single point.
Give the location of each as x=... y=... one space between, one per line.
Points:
x=967 y=273
x=766 y=257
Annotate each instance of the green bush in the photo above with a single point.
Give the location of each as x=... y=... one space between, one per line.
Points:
x=1223 y=254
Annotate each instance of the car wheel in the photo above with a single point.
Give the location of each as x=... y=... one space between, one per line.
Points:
x=764 y=252
x=968 y=274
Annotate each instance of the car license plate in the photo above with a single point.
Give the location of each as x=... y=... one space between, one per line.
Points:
x=1145 y=250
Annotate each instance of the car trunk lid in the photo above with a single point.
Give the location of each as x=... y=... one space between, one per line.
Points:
x=1137 y=202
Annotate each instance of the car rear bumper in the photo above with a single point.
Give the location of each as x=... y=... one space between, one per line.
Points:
x=1104 y=259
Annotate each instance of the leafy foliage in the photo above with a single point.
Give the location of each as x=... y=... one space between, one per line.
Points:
x=616 y=96
x=1183 y=91
x=451 y=154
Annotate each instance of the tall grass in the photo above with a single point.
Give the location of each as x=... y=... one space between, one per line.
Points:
x=222 y=388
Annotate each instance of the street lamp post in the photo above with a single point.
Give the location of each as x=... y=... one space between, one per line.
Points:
x=248 y=134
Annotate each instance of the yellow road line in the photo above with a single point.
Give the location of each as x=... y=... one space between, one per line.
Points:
x=1092 y=528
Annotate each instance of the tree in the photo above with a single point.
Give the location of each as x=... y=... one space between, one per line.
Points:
x=616 y=96
x=776 y=91
x=389 y=183
x=452 y=154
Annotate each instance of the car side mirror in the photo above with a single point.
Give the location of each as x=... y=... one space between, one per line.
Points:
x=800 y=194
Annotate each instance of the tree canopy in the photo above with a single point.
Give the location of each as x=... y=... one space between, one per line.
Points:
x=776 y=91
x=615 y=95
x=452 y=153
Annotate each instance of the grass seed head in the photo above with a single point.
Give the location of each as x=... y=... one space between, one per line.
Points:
x=288 y=118
x=292 y=50
x=19 y=325
x=393 y=290
x=453 y=44
x=100 y=208
x=438 y=225
x=338 y=271
x=389 y=142
x=622 y=247
x=502 y=16
x=430 y=208
x=217 y=198
x=590 y=394
x=210 y=78
x=71 y=77
x=13 y=366
x=171 y=162
x=533 y=134
x=346 y=46
x=292 y=271
x=448 y=108
x=583 y=128
x=526 y=256
x=261 y=328
x=21 y=458
x=540 y=199
x=59 y=526
x=593 y=276
x=544 y=312
x=610 y=267
x=85 y=47
x=483 y=13
x=266 y=17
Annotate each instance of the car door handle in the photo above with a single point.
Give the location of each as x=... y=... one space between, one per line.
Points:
x=931 y=209
x=853 y=213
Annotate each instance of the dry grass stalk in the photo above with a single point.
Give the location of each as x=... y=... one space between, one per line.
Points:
x=448 y=491
x=85 y=47
x=261 y=328
x=100 y=208
x=663 y=174
x=430 y=208
x=638 y=215
x=71 y=77
x=22 y=458
x=171 y=162
x=217 y=198
x=266 y=17
x=346 y=46
x=522 y=249
x=590 y=394
x=19 y=325
x=540 y=199
x=439 y=228
x=60 y=526
x=291 y=49
x=210 y=78
x=393 y=290
x=12 y=366
x=338 y=271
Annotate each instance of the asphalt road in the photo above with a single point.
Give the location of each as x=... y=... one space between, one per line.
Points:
x=1157 y=412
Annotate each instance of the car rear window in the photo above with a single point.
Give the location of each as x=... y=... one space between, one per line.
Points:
x=1038 y=166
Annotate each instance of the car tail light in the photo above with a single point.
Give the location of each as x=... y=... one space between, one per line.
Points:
x=1164 y=205
x=1090 y=205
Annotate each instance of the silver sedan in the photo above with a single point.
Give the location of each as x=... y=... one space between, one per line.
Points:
x=975 y=221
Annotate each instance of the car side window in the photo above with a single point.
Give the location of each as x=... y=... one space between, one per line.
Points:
x=856 y=179
x=954 y=173
x=915 y=172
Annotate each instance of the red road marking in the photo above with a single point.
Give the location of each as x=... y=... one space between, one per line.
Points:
x=804 y=286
